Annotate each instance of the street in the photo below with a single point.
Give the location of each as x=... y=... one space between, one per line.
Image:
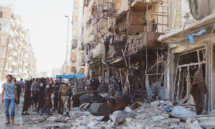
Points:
x=107 y=64
x=35 y=121
x=143 y=117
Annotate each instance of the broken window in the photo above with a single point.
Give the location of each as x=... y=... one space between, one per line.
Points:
x=188 y=58
x=188 y=64
x=74 y=44
x=73 y=70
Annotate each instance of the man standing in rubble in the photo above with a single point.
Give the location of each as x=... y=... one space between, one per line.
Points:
x=56 y=90
x=9 y=96
x=95 y=83
x=41 y=94
x=63 y=94
x=48 y=103
x=27 y=98
x=34 y=92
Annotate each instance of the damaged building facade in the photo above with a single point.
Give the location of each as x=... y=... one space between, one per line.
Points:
x=192 y=48
x=153 y=48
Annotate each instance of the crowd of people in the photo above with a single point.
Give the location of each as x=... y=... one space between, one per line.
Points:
x=37 y=96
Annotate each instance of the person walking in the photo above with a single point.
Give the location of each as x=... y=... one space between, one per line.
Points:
x=95 y=83
x=48 y=103
x=41 y=94
x=35 y=93
x=88 y=83
x=21 y=82
x=9 y=96
x=14 y=80
x=27 y=98
x=18 y=90
x=56 y=90
x=63 y=94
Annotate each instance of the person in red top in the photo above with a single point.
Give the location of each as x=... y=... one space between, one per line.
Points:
x=48 y=103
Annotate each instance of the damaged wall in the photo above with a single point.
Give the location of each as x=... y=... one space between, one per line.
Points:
x=172 y=8
x=121 y=6
x=201 y=8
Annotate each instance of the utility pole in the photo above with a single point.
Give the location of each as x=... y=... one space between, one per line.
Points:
x=5 y=59
x=67 y=45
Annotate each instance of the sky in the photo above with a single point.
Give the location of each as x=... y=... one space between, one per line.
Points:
x=47 y=24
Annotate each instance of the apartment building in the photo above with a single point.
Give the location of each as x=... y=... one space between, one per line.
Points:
x=77 y=51
x=16 y=53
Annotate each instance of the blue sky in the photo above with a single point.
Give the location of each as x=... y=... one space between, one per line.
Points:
x=48 y=29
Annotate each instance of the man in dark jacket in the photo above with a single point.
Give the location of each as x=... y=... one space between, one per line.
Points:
x=35 y=92
x=18 y=90
x=41 y=94
x=95 y=83
x=56 y=99
x=27 y=98
x=48 y=92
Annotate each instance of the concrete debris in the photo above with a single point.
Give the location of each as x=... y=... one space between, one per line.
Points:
x=99 y=109
x=195 y=125
x=136 y=104
x=85 y=98
x=206 y=122
x=138 y=116
x=118 y=103
x=116 y=115
x=179 y=110
x=84 y=106
x=60 y=120
x=156 y=118
x=188 y=122
x=155 y=104
x=127 y=109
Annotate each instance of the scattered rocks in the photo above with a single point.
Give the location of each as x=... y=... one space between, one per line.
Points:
x=179 y=110
x=138 y=116
x=127 y=109
x=195 y=125
x=99 y=109
x=85 y=98
x=84 y=106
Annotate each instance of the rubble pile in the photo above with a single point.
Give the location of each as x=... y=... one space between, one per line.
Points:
x=136 y=116
x=119 y=114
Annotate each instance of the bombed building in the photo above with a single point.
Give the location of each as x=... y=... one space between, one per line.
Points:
x=153 y=49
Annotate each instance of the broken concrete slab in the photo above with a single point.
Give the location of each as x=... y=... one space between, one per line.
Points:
x=84 y=106
x=85 y=98
x=136 y=104
x=156 y=118
x=60 y=120
x=99 y=109
x=127 y=109
x=188 y=122
x=206 y=122
x=179 y=110
x=195 y=125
